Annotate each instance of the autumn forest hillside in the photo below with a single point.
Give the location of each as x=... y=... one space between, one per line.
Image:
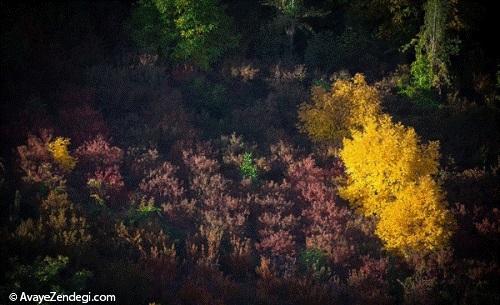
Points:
x=273 y=152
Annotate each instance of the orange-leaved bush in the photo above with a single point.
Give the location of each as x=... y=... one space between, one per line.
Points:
x=59 y=150
x=333 y=114
x=390 y=175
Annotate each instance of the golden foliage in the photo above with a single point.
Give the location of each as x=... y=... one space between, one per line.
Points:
x=417 y=221
x=389 y=171
x=381 y=160
x=59 y=150
x=389 y=174
x=332 y=115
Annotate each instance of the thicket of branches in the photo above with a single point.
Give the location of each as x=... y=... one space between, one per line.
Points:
x=242 y=152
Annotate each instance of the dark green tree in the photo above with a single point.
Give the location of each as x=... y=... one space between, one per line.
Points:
x=434 y=46
x=292 y=15
x=188 y=31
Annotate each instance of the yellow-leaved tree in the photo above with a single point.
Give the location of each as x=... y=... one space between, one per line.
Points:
x=390 y=173
x=390 y=176
x=417 y=221
x=381 y=160
x=59 y=150
x=333 y=114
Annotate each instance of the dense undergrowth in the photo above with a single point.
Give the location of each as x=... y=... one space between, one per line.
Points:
x=285 y=152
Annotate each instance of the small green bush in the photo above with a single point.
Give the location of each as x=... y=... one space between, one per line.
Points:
x=314 y=261
x=248 y=168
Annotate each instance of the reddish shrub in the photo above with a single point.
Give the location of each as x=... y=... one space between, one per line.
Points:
x=162 y=185
x=324 y=222
x=97 y=153
x=106 y=185
x=221 y=212
x=368 y=283
x=37 y=162
x=277 y=225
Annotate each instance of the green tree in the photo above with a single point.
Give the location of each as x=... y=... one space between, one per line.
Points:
x=291 y=16
x=196 y=31
x=152 y=26
x=434 y=47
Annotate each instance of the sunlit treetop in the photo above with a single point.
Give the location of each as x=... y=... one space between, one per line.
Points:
x=381 y=160
x=390 y=175
x=333 y=114
x=417 y=221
